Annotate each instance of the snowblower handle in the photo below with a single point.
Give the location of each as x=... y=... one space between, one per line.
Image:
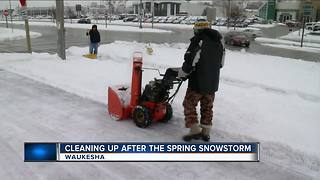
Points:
x=155 y=69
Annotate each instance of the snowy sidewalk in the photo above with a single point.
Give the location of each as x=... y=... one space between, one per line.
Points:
x=6 y=34
x=31 y=111
x=269 y=99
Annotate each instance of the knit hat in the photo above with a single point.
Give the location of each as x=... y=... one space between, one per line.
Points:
x=201 y=25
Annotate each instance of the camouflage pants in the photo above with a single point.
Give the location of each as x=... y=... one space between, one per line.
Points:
x=190 y=104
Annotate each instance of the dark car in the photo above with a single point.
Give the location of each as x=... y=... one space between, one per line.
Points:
x=236 y=39
x=291 y=23
x=84 y=21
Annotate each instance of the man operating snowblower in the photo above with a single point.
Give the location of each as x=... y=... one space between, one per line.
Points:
x=202 y=63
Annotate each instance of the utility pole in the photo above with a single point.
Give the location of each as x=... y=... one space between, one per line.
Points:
x=229 y=14
x=303 y=26
x=10 y=12
x=152 y=9
x=140 y=12
x=24 y=13
x=61 y=47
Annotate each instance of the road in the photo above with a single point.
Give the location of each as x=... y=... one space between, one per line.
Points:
x=31 y=111
x=77 y=37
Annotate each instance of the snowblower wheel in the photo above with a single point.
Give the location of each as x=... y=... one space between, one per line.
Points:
x=168 y=115
x=142 y=117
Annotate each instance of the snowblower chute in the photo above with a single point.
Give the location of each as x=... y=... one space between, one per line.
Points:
x=125 y=102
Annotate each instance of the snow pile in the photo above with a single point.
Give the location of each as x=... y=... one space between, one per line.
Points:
x=6 y=34
x=264 y=25
x=296 y=36
x=269 y=99
x=287 y=44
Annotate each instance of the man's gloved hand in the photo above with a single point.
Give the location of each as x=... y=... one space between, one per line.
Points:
x=182 y=75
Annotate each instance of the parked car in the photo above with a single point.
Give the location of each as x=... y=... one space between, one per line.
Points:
x=149 y=20
x=291 y=23
x=240 y=24
x=129 y=18
x=156 y=20
x=163 y=20
x=84 y=21
x=177 y=21
x=316 y=28
x=170 y=20
x=135 y=20
x=184 y=22
x=221 y=23
x=236 y=39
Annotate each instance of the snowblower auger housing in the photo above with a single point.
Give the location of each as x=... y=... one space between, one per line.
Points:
x=126 y=102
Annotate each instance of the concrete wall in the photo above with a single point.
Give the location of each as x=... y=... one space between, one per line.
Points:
x=193 y=9
x=289 y=4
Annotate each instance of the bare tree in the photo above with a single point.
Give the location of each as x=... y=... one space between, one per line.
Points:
x=234 y=9
x=70 y=13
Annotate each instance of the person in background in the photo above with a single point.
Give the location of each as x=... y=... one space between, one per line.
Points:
x=94 y=40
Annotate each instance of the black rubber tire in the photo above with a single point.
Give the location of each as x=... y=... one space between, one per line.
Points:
x=169 y=113
x=141 y=117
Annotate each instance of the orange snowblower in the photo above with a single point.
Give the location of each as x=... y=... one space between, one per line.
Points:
x=127 y=102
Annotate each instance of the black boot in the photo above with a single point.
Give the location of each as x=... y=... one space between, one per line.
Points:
x=195 y=133
x=188 y=137
x=205 y=134
x=205 y=137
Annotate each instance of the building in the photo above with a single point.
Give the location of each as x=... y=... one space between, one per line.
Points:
x=288 y=10
x=193 y=9
x=283 y=10
x=267 y=10
x=161 y=8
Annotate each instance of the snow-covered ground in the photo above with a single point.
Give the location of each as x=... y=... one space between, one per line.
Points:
x=273 y=100
x=296 y=36
x=222 y=29
x=264 y=25
x=311 y=42
x=287 y=44
x=6 y=34
x=130 y=26
x=101 y=27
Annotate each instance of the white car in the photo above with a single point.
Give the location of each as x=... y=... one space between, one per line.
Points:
x=309 y=25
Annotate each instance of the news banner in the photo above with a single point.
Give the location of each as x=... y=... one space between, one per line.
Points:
x=61 y=152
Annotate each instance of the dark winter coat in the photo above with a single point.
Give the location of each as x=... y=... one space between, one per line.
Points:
x=94 y=36
x=204 y=74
